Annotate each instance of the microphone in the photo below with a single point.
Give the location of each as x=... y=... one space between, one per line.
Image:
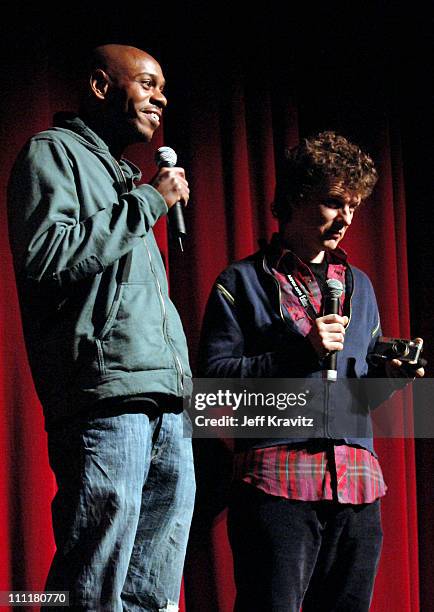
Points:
x=333 y=292
x=165 y=157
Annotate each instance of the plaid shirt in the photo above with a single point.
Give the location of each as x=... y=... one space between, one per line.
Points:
x=288 y=263
x=324 y=470
x=347 y=474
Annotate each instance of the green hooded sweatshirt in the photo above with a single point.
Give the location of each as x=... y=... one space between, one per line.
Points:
x=98 y=321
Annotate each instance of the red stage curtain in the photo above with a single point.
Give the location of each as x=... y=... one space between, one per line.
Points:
x=230 y=158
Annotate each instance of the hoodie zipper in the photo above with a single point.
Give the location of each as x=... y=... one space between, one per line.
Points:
x=177 y=360
x=164 y=327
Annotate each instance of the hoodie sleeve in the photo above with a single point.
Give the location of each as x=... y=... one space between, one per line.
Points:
x=50 y=240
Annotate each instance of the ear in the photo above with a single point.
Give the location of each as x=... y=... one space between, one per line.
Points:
x=99 y=83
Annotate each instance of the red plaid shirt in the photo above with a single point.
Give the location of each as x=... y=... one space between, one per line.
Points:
x=347 y=474
x=286 y=263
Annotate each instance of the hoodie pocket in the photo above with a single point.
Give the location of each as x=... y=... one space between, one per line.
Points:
x=133 y=336
x=112 y=313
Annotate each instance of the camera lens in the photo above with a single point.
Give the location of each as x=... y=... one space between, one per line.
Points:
x=400 y=348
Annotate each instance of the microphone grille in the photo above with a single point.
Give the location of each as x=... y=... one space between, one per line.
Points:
x=166 y=156
x=334 y=288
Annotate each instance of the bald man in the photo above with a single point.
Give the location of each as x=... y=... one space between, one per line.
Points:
x=105 y=343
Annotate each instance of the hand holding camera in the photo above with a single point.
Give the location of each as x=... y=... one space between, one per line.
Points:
x=401 y=357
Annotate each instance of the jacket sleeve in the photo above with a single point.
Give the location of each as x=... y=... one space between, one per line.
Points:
x=222 y=351
x=381 y=389
x=49 y=238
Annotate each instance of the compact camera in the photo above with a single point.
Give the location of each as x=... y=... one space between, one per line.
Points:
x=407 y=351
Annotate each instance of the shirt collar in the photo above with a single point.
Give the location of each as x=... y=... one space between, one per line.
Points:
x=277 y=255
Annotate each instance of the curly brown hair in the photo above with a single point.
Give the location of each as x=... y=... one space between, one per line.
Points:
x=323 y=156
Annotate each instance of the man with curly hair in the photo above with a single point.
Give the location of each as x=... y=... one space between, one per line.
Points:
x=304 y=514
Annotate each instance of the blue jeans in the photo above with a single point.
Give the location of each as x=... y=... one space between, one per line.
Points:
x=322 y=555
x=122 y=513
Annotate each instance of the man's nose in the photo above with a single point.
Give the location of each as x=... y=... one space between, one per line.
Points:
x=346 y=214
x=159 y=98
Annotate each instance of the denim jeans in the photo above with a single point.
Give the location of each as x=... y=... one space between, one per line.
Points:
x=322 y=555
x=122 y=513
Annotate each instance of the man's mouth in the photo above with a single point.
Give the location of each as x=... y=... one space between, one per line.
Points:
x=334 y=234
x=153 y=117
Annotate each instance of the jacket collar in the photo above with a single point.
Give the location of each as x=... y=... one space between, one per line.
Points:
x=267 y=257
x=275 y=251
x=75 y=124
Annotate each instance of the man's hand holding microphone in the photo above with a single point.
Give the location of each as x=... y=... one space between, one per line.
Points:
x=170 y=181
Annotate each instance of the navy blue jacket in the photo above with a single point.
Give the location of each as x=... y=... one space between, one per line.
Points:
x=245 y=334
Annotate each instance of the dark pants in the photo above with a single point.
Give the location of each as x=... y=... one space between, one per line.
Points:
x=322 y=555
